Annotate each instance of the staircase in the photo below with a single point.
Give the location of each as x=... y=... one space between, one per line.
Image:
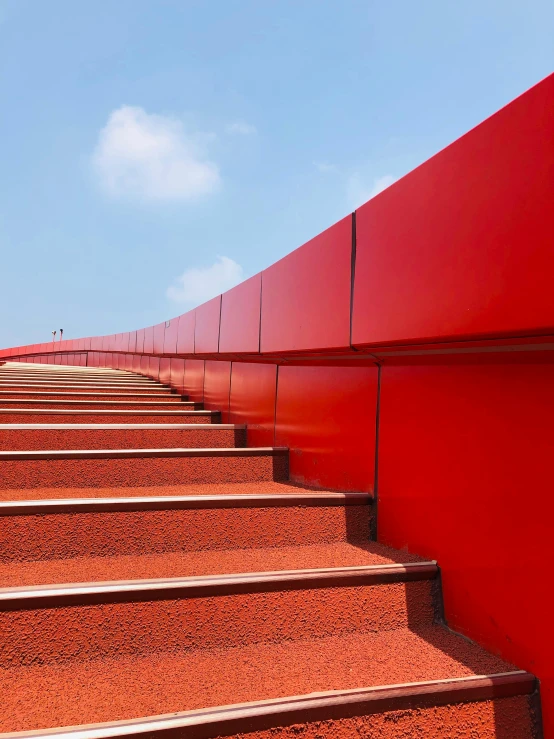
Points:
x=159 y=578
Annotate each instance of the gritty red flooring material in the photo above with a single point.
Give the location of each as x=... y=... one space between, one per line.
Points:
x=270 y=487
x=75 y=692
x=176 y=625
x=106 y=438
x=194 y=563
x=148 y=471
x=88 y=395
x=94 y=405
x=138 y=533
x=176 y=416
x=507 y=718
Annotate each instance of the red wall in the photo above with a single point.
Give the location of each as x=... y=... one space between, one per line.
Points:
x=326 y=417
x=465 y=477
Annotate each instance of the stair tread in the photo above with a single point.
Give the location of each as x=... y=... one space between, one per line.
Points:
x=269 y=487
x=49 y=695
x=194 y=564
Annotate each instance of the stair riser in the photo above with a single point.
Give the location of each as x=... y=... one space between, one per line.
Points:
x=122 y=533
x=86 y=395
x=503 y=718
x=83 y=388
x=105 y=418
x=91 y=405
x=55 y=635
x=81 y=381
x=98 y=473
x=36 y=439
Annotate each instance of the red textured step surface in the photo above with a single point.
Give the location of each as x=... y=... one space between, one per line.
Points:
x=135 y=533
x=192 y=564
x=133 y=468
x=270 y=487
x=98 y=404
x=65 y=387
x=33 y=415
x=143 y=396
x=74 y=692
x=118 y=436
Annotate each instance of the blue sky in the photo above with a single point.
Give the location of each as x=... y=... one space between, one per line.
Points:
x=155 y=151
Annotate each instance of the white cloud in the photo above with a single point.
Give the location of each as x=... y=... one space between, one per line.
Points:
x=151 y=157
x=359 y=193
x=241 y=128
x=325 y=167
x=198 y=284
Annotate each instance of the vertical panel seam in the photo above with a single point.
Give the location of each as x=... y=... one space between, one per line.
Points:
x=352 y=275
x=275 y=405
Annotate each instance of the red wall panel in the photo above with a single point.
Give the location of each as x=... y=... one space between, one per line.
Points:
x=170 y=336
x=462 y=246
x=165 y=370
x=159 y=332
x=136 y=363
x=185 y=333
x=140 y=341
x=144 y=364
x=326 y=416
x=194 y=379
x=252 y=401
x=177 y=374
x=154 y=367
x=240 y=317
x=206 y=332
x=217 y=387
x=465 y=456
x=148 y=346
x=306 y=295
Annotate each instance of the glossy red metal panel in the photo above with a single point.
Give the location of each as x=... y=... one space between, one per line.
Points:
x=148 y=340
x=132 y=341
x=144 y=364
x=165 y=370
x=170 y=336
x=326 y=416
x=465 y=463
x=194 y=379
x=206 y=332
x=158 y=343
x=154 y=367
x=217 y=387
x=140 y=341
x=306 y=295
x=462 y=246
x=136 y=362
x=177 y=374
x=240 y=317
x=252 y=401
x=185 y=333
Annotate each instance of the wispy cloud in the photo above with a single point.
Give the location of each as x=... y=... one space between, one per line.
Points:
x=241 y=128
x=325 y=167
x=199 y=284
x=145 y=156
x=359 y=192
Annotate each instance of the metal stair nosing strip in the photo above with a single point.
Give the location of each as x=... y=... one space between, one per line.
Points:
x=263 y=715
x=51 y=596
